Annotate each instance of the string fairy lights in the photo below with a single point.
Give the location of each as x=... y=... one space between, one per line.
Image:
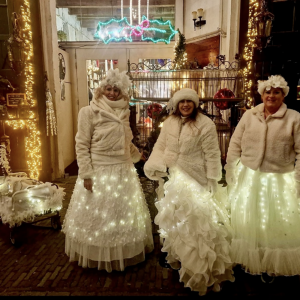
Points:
x=32 y=141
x=248 y=51
x=50 y=115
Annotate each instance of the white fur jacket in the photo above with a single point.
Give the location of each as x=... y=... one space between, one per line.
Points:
x=102 y=133
x=270 y=145
x=194 y=148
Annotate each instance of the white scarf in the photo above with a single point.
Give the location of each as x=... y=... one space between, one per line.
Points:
x=109 y=105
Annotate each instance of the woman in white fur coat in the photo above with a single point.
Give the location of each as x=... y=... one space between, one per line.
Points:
x=263 y=176
x=107 y=224
x=193 y=224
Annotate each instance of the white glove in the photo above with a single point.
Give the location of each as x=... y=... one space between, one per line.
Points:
x=230 y=177
x=212 y=185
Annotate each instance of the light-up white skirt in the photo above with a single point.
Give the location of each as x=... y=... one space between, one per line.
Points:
x=266 y=222
x=109 y=228
x=195 y=228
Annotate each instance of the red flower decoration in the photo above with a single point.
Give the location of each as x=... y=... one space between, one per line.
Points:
x=222 y=94
x=154 y=110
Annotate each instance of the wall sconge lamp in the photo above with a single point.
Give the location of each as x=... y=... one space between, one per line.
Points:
x=198 y=13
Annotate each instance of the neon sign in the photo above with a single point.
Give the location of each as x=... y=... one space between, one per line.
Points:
x=117 y=30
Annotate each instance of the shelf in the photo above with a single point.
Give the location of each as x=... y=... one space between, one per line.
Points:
x=18 y=119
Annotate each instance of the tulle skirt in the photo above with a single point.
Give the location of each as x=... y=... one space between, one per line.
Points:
x=266 y=222
x=196 y=231
x=109 y=228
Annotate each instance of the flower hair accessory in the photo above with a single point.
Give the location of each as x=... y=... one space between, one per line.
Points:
x=183 y=94
x=117 y=79
x=275 y=81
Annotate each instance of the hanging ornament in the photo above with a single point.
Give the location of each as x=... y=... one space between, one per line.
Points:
x=50 y=115
x=223 y=94
x=154 y=110
x=62 y=75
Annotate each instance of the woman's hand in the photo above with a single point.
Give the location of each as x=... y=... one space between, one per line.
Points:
x=88 y=184
x=212 y=185
x=230 y=177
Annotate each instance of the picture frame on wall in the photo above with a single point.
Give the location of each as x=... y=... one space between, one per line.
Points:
x=14 y=99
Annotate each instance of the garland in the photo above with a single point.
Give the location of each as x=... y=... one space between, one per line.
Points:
x=50 y=115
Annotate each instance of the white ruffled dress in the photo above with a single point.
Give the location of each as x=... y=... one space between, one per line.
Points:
x=265 y=221
x=195 y=227
x=109 y=228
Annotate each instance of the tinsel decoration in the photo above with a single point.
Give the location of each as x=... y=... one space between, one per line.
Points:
x=50 y=115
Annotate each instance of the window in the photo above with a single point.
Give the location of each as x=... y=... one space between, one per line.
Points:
x=78 y=20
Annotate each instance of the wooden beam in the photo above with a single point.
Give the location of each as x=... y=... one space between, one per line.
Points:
x=110 y=3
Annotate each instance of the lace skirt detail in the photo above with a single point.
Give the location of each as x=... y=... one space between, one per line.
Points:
x=109 y=228
x=265 y=221
x=196 y=231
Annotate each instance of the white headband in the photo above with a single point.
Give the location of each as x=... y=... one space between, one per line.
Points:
x=117 y=79
x=275 y=81
x=183 y=94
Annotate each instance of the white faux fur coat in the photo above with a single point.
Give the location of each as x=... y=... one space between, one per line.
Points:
x=194 y=148
x=270 y=145
x=104 y=136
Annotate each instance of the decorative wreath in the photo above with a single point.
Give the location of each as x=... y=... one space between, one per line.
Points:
x=223 y=94
x=154 y=110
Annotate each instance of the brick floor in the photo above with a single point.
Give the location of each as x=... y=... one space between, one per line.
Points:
x=39 y=267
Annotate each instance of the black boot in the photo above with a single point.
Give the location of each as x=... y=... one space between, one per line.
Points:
x=162 y=260
x=265 y=278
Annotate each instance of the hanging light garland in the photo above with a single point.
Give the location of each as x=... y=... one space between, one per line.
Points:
x=130 y=11
x=50 y=115
x=148 y=9
x=121 y=9
x=248 y=51
x=139 y=10
x=32 y=141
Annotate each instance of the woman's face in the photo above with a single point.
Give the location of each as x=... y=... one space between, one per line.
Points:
x=111 y=93
x=186 y=107
x=273 y=99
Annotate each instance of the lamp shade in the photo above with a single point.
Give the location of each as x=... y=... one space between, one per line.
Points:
x=194 y=14
x=200 y=12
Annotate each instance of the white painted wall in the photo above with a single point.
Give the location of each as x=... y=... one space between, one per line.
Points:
x=71 y=26
x=179 y=16
x=231 y=25
x=64 y=115
x=222 y=18
x=211 y=15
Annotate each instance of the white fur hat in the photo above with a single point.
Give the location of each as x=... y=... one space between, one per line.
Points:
x=117 y=79
x=275 y=81
x=183 y=94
